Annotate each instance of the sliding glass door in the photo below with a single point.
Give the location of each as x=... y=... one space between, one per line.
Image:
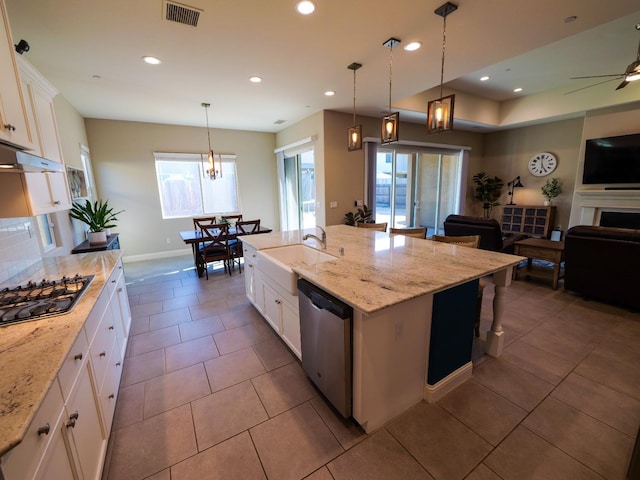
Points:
x=299 y=191
x=417 y=188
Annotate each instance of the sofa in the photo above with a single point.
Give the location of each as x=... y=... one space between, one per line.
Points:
x=603 y=263
x=491 y=237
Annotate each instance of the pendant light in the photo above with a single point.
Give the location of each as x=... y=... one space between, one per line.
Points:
x=390 y=122
x=210 y=167
x=440 y=111
x=354 y=140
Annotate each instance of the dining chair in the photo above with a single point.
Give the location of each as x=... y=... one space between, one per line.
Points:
x=247 y=227
x=381 y=227
x=214 y=247
x=198 y=222
x=417 y=232
x=471 y=241
x=232 y=220
x=243 y=227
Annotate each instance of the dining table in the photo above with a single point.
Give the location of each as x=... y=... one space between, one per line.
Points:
x=194 y=237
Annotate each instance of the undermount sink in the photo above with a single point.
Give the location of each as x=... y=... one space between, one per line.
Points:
x=277 y=262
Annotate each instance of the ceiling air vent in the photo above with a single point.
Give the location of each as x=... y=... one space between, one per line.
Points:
x=176 y=12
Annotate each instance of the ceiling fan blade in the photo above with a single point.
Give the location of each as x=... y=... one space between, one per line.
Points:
x=589 y=86
x=622 y=85
x=598 y=76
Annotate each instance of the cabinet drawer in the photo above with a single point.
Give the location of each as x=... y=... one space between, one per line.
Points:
x=102 y=346
x=112 y=282
x=22 y=461
x=72 y=364
x=109 y=390
x=95 y=317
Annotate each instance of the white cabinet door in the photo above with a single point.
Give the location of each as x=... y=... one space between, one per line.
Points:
x=291 y=327
x=48 y=192
x=84 y=433
x=272 y=308
x=13 y=115
x=56 y=462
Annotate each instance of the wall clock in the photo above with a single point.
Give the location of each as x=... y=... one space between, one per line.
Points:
x=542 y=164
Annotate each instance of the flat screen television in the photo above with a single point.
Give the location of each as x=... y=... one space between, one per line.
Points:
x=612 y=160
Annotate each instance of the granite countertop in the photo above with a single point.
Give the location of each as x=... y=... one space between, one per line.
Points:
x=33 y=352
x=378 y=270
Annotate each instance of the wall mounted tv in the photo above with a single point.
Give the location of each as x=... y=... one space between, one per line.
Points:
x=612 y=160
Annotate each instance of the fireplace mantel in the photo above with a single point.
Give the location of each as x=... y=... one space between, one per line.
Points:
x=592 y=203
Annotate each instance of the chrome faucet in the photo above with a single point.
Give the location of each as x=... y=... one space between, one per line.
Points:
x=322 y=241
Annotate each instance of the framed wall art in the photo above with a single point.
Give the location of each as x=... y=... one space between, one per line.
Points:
x=77 y=182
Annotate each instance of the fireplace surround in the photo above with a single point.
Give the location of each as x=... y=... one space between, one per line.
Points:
x=591 y=204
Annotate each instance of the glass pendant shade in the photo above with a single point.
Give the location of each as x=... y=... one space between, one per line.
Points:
x=390 y=127
x=354 y=141
x=440 y=114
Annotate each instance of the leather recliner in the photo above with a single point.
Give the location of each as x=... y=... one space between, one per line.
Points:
x=603 y=263
x=491 y=237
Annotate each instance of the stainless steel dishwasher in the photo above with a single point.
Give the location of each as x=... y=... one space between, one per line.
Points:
x=325 y=334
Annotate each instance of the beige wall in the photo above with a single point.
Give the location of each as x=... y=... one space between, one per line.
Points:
x=507 y=155
x=124 y=166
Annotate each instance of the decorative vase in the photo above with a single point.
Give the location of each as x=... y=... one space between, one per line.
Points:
x=96 y=238
x=547 y=203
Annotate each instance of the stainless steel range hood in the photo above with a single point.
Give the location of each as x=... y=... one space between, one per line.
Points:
x=14 y=160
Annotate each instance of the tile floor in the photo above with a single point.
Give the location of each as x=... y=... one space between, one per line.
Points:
x=209 y=392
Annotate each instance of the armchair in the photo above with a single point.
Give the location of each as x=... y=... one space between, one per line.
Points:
x=491 y=237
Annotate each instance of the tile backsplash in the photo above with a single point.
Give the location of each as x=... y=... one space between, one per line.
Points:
x=19 y=246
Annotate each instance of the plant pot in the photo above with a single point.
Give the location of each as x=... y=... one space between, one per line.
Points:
x=96 y=238
x=547 y=203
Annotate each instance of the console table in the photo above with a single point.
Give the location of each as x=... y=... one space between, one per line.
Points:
x=112 y=244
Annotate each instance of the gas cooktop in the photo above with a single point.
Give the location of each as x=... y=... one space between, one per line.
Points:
x=43 y=299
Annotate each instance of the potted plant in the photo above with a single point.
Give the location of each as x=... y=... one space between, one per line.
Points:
x=551 y=189
x=363 y=215
x=488 y=190
x=98 y=216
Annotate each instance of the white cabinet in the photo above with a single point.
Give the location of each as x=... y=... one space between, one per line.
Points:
x=14 y=127
x=68 y=437
x=282 y=312
x=38 y=97
x=48 y=192
x=30 y=194
x=252 y=278
x=84 y=436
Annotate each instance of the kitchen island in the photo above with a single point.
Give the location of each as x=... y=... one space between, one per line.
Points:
x=391 y=281
x=60 y=365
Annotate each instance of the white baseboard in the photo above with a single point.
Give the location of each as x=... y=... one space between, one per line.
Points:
x=433 y=393
x=156 y=255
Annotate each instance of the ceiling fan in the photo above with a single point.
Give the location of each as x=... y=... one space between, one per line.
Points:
x=631 y=73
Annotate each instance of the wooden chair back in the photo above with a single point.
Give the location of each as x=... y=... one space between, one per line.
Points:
x=417 y=232
x=232 y=219
x=471 y=241
x=214 y=246
x=198 y=222
x=381 y=227
x=247 y=227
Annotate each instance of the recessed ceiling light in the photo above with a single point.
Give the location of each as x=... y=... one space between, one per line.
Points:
x=329 y=93
x=152 y=60
x=255 y=79
x=517 y=90
x=485 y=78
x=305 y=7
x=412 y=46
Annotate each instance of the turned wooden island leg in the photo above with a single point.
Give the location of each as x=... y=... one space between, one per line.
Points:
x=495 y=336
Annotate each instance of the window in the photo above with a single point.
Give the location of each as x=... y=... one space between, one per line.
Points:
x=185 y=191
x=47 y=236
